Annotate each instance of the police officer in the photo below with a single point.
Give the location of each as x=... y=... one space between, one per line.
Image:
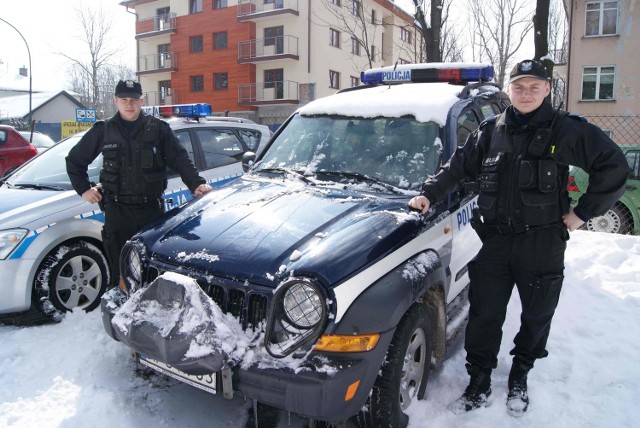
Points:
x=136 y=149
x=519 y=160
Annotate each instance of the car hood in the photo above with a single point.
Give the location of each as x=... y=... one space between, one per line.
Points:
x=21 y=207
x=263 y=230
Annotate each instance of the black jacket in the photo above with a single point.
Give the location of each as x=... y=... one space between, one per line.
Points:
x=575 y=142
x=166 y=146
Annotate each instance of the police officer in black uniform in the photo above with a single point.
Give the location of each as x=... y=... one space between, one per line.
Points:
x=136 y=149
x=519 y=161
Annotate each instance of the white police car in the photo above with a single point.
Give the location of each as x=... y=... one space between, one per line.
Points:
x=51 y=255
x=308 y=284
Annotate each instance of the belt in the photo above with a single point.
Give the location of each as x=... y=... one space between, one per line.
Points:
x=132 y=199
x=515 y=228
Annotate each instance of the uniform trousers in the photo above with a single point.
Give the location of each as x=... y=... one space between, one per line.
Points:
x=534 y=262
x=121 y=222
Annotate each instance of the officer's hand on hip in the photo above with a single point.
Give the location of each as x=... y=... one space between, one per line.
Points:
x=93 y=195
x=202 y=189
x=420 y=203
x=571 y=220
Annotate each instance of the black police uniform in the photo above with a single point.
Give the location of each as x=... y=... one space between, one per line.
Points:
x=520 y=163
x=133 y=176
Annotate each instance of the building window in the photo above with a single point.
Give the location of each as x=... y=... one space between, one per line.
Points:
x=403 y=61
x=336 y=2
x=597 y=83
x=356 y=8
x=374 y=19
x=220 y=81
x=220 y=40
x=274 y=36
x=374 y=53
x=275 y=79
x=405 y=35
x=602 y=18
x=164 y=91
x=195 y=6
x=334 y=79
x=219 y=4
x=355 y=81
x=334 y=38
x=197 y=83
x=195 y=44
x=355 y=46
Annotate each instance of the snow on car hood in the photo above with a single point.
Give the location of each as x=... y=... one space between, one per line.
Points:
x=424 y=101
x=258 y=229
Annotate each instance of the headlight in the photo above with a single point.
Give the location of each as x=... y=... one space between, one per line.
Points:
x=131 y=265
x=297 y=316
x=302 y=305
x=9 y=240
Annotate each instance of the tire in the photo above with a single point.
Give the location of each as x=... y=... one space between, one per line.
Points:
x=404 y=375
x=617 y=220
x=71 y=276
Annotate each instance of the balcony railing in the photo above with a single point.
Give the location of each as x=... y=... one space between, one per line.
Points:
x=159 y=24
x=268 y=49
x=155 y=63
x=255 y=9
x=281 y=92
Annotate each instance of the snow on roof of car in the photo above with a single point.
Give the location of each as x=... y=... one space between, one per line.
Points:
x=425 y=101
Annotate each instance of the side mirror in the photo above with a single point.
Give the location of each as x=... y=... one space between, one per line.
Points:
x=248 y=159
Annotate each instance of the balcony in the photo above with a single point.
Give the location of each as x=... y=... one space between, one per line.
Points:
x=269 y=49
x=158 y=63
x=251 y=10
x=282 y=92
x=156 y=25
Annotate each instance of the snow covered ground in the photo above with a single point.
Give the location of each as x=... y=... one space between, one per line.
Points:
x=73 y=375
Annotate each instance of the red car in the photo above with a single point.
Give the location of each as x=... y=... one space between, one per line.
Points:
x=14 y=149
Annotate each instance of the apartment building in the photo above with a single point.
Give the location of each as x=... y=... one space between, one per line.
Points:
x=263 y=58
x=602 y=79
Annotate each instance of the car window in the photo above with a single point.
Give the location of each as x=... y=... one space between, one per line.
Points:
x=3 y=137
x=398 y=151
x=633 y=158
x=467 y=123
x=251 y=138
x=220 y=147
x=50 y=167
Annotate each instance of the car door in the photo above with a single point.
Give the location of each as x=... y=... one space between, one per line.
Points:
x=633 y=182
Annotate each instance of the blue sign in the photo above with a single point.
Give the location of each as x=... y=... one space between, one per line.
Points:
x=85 y=115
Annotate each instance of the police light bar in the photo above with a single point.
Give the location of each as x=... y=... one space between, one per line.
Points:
x=429 y=72
x=179 y=110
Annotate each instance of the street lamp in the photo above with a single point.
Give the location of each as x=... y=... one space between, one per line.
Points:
x=30 y=70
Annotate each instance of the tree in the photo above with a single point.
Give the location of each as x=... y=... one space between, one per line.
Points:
x=498 y=29
x=557 y=43
x=88 y=78
x=541 y=36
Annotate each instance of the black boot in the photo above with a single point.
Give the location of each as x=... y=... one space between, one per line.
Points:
x=518 y=399
x=477 y=393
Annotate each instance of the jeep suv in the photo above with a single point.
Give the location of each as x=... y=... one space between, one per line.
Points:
x=50 y=237
x=308 y=284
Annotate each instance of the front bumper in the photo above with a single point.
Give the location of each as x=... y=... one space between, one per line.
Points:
x=318 y=391
x=15 y=286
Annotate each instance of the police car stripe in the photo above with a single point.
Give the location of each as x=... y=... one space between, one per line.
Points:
x=347 y=292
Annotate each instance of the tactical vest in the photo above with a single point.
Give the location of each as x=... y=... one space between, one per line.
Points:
x=525 y=185
x=133 y=166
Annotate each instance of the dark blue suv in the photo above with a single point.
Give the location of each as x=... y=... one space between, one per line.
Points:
x=308 y=284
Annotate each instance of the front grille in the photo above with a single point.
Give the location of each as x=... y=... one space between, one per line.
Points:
x=246 y=302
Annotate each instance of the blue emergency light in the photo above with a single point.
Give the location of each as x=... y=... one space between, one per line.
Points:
x=180 y=110
x=428 y=73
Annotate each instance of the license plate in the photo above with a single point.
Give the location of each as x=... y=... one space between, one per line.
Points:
x=205 y=382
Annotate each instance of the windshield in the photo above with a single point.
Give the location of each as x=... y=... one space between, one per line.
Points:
x=50 y=168
x=401 y=152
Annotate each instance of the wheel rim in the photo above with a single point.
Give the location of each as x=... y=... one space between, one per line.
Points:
x=609 y=222
x=413 y=368
x=78 y=282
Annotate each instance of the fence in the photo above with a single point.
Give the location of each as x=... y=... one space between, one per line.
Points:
x=624 y=216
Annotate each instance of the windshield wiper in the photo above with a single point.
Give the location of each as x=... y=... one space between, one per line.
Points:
x=37 y=186
x=281 y=169
x=361 y=177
